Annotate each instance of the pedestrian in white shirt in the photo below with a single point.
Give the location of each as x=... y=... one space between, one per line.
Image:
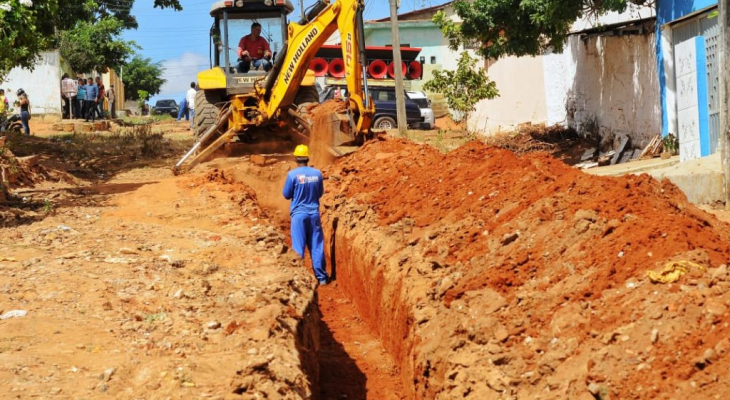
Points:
x=190 y=99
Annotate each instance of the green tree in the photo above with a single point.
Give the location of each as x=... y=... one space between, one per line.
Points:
x=142 y=75
x=29 y=27
x=464 y=87
x=96 y=47
x=520 y=27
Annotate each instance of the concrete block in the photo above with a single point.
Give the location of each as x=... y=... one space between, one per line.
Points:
x=701 y=180
x=701 y=188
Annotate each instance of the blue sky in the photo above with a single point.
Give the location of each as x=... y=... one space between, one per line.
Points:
x=179 y=39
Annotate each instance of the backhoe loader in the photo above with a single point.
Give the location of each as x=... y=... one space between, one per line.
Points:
x=230 y=104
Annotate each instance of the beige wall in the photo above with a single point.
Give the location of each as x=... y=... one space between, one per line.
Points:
x=111 y=78
x=521 y=85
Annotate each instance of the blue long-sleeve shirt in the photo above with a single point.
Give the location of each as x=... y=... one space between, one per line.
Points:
x=304 y=186
x=92 y=92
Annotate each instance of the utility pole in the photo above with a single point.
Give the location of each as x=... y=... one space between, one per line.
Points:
x=724 y=15
x=400 y=101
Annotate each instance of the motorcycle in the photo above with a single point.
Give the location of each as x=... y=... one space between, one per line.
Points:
x=11 y=124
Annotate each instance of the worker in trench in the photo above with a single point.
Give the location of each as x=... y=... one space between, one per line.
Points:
x=304 y=187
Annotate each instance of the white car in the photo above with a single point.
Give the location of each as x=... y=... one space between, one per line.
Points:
x=424 y=103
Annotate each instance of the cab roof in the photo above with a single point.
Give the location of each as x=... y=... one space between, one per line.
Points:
x=250 y=5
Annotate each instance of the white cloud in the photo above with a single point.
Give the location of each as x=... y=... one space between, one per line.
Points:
x=179 y=72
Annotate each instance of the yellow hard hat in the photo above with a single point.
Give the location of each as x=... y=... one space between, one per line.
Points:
x=301 y=151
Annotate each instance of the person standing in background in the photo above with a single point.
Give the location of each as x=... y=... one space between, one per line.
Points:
x=4 y=107
x=100 y=98
x=80 y=109
x=65 y=102
x=190 y=99
x=24 y=105
x=92 y=96
x=183 y=110
x=111 y=94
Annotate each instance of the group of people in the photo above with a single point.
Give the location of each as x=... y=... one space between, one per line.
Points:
x=22 y=102
x=88 y=103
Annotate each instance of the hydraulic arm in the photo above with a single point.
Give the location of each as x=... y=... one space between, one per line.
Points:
x=305 y=39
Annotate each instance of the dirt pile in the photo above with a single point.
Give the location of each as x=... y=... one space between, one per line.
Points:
x=492 y=276
x=21 y=171
x=172 y=288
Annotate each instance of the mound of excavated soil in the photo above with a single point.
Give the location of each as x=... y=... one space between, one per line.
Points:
x=492 y=276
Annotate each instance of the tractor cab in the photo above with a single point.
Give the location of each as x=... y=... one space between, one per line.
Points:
x=234 y=19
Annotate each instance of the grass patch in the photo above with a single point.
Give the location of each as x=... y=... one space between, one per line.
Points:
x=147 y=120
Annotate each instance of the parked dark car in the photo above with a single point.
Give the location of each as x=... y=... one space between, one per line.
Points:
x=166 y=107
x=385 y=112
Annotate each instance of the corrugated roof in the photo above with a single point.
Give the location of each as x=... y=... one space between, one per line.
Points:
x=416 y=12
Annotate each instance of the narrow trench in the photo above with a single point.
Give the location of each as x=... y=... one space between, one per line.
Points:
x=353 y=363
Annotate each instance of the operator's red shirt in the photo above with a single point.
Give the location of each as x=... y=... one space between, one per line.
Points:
x=255 y=47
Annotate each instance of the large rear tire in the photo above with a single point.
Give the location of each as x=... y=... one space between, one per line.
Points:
x=208 y=105
x=306 y=96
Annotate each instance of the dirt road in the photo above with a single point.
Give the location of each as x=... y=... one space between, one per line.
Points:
x=151 y=286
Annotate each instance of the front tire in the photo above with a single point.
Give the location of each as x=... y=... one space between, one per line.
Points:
x=207 y=107
x=384 y=123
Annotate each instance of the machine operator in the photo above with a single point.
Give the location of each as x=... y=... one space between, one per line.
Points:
x=254 y=49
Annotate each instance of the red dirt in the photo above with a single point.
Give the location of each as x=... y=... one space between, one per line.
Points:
x=558 y=246
x=448 y=123
x=322 y=135
x=495 y=186
x=353 y=363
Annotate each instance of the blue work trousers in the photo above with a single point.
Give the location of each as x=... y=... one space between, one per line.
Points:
x=306 y=231
x=25 y=117
x=183 y=111
x=244 y=65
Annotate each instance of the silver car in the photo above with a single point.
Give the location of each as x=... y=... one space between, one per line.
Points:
x=424 y=103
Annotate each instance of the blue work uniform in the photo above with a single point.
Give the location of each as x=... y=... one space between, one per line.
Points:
x=304 y=187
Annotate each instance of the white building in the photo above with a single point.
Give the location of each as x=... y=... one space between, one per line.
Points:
x=42 y=84
x=606 y=74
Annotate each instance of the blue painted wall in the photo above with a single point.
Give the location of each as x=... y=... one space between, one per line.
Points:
x=668 y=11
x=702 y=102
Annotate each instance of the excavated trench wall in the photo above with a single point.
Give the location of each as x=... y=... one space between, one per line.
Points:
x=361 y=259
x=490 y=276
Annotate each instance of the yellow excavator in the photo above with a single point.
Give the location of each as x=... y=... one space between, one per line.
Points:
x=231 y=103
